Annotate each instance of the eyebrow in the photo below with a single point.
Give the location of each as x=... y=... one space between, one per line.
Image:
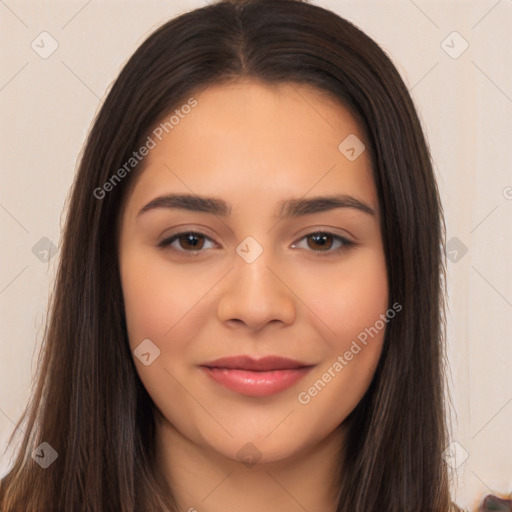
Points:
x=288 y=208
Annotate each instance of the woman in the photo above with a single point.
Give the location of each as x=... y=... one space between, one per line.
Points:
x=261 y=370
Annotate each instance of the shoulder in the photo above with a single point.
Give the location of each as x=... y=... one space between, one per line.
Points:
x=495 y=503
x=490 y=503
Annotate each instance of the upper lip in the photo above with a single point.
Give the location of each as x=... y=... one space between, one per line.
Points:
x=267 y=363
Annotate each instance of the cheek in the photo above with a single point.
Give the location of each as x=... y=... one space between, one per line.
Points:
x=162 y=303
x=355 y=305
x=335 y=304
x=361 y=299
x=348 y=298
x=156 y=297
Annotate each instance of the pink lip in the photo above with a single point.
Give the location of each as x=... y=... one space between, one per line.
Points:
x=251 y=377
x=253 y=383
x=263 y=364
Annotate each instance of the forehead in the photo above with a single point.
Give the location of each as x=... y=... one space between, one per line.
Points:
x=267 y=109
x=245 y=137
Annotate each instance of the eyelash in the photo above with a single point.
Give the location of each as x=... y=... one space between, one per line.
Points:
x=347 y=244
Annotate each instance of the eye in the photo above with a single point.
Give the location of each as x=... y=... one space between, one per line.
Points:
x=324 y=240
x=188 y=239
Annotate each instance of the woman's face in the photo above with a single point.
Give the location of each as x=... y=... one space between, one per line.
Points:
x=310 y=286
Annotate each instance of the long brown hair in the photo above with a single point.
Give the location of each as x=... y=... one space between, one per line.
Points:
x=89 y=404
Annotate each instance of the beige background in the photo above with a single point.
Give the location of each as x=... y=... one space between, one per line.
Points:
x=465 y=104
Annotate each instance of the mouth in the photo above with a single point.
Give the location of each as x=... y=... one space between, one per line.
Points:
x=256 y=377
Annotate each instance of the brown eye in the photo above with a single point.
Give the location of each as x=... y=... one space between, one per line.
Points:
x=320 y=241
x=188 y=241
x=191 y=241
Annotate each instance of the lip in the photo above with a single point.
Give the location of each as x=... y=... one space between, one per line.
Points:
x=263 y=364
x=256 y=377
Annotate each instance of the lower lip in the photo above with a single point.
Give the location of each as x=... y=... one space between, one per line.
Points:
x=252 y=383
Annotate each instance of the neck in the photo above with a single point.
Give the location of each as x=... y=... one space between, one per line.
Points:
x=206 y=481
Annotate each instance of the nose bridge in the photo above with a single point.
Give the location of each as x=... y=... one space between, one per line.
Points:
x=255 y=294
x=252 y=274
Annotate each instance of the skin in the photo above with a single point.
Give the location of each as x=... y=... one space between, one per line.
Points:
x=253 y=145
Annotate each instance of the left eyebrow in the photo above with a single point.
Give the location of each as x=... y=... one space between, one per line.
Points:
x=294 y=207
x=298 y=207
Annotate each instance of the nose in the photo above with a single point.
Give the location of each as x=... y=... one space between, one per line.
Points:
x=256 y=293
